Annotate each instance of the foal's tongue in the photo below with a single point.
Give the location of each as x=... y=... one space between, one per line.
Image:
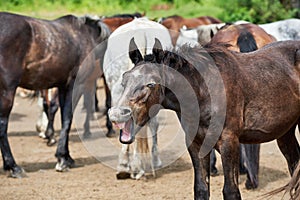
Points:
x=125 y=133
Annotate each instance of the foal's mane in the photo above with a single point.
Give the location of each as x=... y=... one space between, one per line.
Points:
x=188 y=59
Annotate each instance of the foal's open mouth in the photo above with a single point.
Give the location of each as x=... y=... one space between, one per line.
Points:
x=126 y=131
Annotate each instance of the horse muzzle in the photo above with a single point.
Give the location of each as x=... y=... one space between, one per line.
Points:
x=119 y=114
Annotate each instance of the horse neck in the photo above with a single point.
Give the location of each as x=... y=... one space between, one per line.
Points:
x=181 y=93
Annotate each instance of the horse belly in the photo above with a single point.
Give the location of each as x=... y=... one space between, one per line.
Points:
x=263 y=125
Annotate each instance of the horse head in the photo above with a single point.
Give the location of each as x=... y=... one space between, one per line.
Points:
x=143 y=92
x=102 y=30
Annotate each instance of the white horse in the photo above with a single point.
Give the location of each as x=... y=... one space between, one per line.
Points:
x=187 y=36
x=116 y=62
x=288 y=29
x=201 y=34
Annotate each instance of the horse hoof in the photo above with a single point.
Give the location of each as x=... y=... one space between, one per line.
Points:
x=123 y=175
x=87 y=134
x=157 y=162
x=111 y=134
x=17 y=172
x=137 y=176
x=51 y=142
x=64 y=164
x=250 y=186
x=243 y=170
x=42 y=135
x=214 y=171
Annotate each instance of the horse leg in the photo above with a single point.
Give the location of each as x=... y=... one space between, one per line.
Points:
x=136 y=168
x=229 y=150
x=66 y=102
x=251 y=157
x=96 y=101
x=42 y=121
x=110 y=131
x=201 y=170
x=140 y=154
x=213 y=161
x=6 y=103
x=123 y=168
x=51 y=105
x=289 y=147
x=153 y=125
x=243 y=168
x=88 y=102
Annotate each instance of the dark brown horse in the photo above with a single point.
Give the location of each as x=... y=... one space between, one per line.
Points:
x=222 y=99
x=39 y=54
x=175 y=22
x=51 y=104
x=244 y=38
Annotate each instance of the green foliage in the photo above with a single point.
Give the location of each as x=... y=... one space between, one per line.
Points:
x=256 y=11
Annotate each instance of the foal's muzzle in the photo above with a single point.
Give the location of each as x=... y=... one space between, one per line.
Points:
x=119 y=114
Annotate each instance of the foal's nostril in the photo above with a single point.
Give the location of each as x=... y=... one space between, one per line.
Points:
x=125 y=111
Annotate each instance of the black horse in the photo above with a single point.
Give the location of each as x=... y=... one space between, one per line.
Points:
x=39 y=54
x=222 y=99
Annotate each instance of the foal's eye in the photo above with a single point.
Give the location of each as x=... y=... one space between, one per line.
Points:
x=151 y=85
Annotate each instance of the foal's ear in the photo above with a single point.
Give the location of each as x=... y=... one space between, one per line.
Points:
x=158 y=50
x=134 y=53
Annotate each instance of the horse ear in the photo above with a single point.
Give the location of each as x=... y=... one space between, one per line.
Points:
x=157 y=50
x=134 y=53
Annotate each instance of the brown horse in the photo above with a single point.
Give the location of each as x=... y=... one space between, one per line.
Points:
x=113 y=22
x=222 y=98
x=244 y=38
x=241 y=37
x=175 y=22
x=39 y=54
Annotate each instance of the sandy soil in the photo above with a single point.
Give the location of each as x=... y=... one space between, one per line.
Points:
x=94 y=174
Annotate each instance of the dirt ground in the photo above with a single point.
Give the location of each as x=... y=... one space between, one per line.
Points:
x=94 y=176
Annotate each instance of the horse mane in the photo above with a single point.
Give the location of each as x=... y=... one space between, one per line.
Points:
x=126 y=15
x=188 y=59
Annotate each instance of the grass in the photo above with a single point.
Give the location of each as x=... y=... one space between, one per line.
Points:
x=259 y=11
x=51 y=9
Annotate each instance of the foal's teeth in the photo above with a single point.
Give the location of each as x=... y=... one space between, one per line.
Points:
x=120 y=125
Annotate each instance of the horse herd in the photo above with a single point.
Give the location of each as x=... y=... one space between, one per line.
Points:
x=238 y=86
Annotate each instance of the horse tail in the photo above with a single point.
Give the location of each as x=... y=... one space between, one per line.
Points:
x=246 y=42
x=293 y=187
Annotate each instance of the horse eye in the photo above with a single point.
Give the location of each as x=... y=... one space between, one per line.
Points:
x=151 y=85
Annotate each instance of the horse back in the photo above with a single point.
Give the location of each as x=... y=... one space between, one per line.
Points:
x=41 y=49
